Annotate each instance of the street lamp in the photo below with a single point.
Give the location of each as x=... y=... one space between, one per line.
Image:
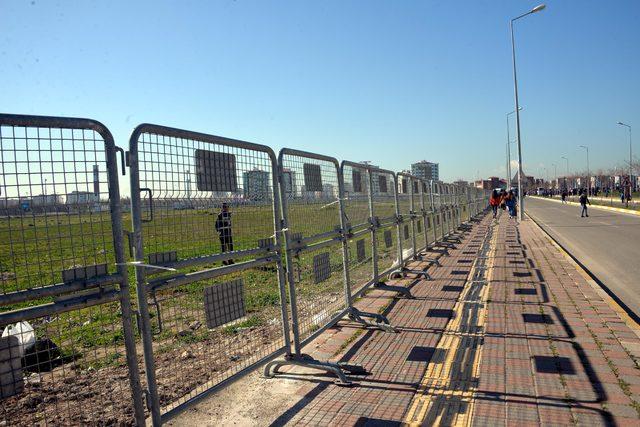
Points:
x=555 y=173
x=630 y=158
x=517 y=105
x=509 y=142
x=588 y=174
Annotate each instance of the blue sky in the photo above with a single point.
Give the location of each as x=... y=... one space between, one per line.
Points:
x=387 y=81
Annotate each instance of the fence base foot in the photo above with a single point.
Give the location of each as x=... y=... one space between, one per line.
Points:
x=418 y=273
x=431 y=261
x=380 y=322
x=446 y=244
x=397 y=274
x=306 y=361
x=439 y=250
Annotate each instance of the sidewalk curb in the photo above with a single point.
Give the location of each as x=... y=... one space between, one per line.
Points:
x=606 y=208
x=631 y=319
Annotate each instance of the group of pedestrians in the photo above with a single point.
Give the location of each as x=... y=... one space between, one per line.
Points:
x=583 y=199
x=503 y=200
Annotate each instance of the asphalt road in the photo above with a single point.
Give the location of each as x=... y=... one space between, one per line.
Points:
x=607 y=243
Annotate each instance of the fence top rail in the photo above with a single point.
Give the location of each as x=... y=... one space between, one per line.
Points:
x=349 y=163
x=307 y=154
x=154 y=129
x=385 y=171
x=408 y=175
x=23 y=120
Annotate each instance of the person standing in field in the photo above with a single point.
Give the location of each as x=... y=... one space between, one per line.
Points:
x=225 y=233
x=494 y=202
x=583 y=203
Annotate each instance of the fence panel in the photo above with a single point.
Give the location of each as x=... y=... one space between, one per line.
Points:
x=62 y=271
x=419 y=223
x=357 y=209
x=386 y=210
x=406 y=210
x=424 y=211
x=314 y=241
x=206 y=208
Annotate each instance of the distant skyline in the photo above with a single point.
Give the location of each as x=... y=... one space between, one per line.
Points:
x=388 y=82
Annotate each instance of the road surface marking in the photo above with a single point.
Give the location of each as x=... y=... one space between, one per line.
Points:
x=445 y=394
x=607 y=208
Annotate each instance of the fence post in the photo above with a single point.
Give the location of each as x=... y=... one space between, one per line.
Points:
x=115 y=206
x=153 y=402
x=278 y=224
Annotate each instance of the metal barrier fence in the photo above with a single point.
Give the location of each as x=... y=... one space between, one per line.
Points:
x=62 y=271
x=206 y=208
x=239 y=257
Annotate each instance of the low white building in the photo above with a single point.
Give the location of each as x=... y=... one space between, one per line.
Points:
x=82 y=198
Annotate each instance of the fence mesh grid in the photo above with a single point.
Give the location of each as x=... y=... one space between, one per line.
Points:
x=384 y=208
x=54 y=205
x=208 y=197
x=187 y=195
x=356 y=207
x=55 y=229
x=314 y=212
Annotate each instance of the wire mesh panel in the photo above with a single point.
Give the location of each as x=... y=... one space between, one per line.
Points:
x=205 y=206
x=406 y=209
x=424 y=211
x=447 y=203
x=314 y=239
x=388 y=233
x=64 y=303
x=355 y=201
x=357 y=209
x=438 y=206
x=387 y=249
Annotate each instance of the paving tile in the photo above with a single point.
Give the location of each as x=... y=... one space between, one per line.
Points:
x=551 y=351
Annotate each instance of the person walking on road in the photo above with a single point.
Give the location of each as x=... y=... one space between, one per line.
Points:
x=584 y=200
x=510 y=201
x=563 y=196
x=223 y=227
x=494 y=202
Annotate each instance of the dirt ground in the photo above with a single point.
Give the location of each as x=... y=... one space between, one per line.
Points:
x=250 y=401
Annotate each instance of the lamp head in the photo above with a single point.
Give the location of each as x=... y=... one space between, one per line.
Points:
x=538 y=8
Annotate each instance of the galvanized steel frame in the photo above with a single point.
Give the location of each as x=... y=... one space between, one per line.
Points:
x=120 y=278
x=270 y=255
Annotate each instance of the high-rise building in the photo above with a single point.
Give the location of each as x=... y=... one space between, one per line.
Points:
x=426 y=170
x=289 y=183
x=256 y=185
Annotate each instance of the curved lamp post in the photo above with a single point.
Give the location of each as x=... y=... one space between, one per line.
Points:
x=588 y=174
x=630 y=157
x=517 y=107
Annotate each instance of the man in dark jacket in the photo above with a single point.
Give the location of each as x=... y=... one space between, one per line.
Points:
x=583 y=202
x=223 y=227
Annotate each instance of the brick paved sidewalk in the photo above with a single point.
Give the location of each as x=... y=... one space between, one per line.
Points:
x=507 y=331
